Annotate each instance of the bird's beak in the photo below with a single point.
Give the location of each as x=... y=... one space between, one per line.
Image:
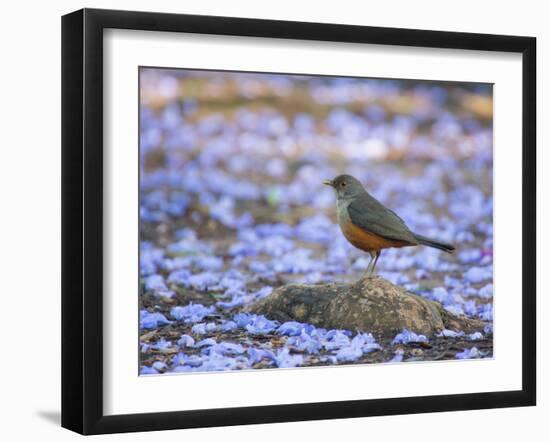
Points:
x=328 y=182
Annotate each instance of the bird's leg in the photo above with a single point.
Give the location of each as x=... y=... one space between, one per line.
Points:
x=368 y=271
x=377 y=255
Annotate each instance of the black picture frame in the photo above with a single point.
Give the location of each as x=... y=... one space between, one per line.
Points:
x=82 y=218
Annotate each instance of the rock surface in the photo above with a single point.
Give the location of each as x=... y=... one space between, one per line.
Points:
x=371 y=305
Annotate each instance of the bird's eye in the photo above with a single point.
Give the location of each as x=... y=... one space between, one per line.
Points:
x=343 y=184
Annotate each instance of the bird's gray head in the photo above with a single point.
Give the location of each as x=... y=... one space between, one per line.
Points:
x=346 y=186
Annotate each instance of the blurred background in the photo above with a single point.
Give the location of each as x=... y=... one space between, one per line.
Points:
x=232 y=203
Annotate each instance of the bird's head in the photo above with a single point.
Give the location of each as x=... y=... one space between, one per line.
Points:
x=346 y=186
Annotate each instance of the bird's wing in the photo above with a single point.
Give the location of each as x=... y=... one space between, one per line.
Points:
x=369 y=214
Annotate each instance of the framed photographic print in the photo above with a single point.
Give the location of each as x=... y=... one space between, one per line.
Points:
x=269 y=221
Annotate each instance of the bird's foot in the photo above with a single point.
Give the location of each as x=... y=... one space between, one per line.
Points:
x=369 y=276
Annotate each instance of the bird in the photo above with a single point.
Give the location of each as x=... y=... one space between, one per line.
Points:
x=371 y=227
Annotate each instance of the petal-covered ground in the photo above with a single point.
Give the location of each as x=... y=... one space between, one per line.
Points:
x=232 y=206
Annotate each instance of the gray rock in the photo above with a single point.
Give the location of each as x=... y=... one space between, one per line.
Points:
x=370 y=305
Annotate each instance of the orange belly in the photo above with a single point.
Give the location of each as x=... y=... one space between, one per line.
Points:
x=367 y=241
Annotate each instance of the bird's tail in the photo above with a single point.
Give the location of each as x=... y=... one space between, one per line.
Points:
x=434 y=243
